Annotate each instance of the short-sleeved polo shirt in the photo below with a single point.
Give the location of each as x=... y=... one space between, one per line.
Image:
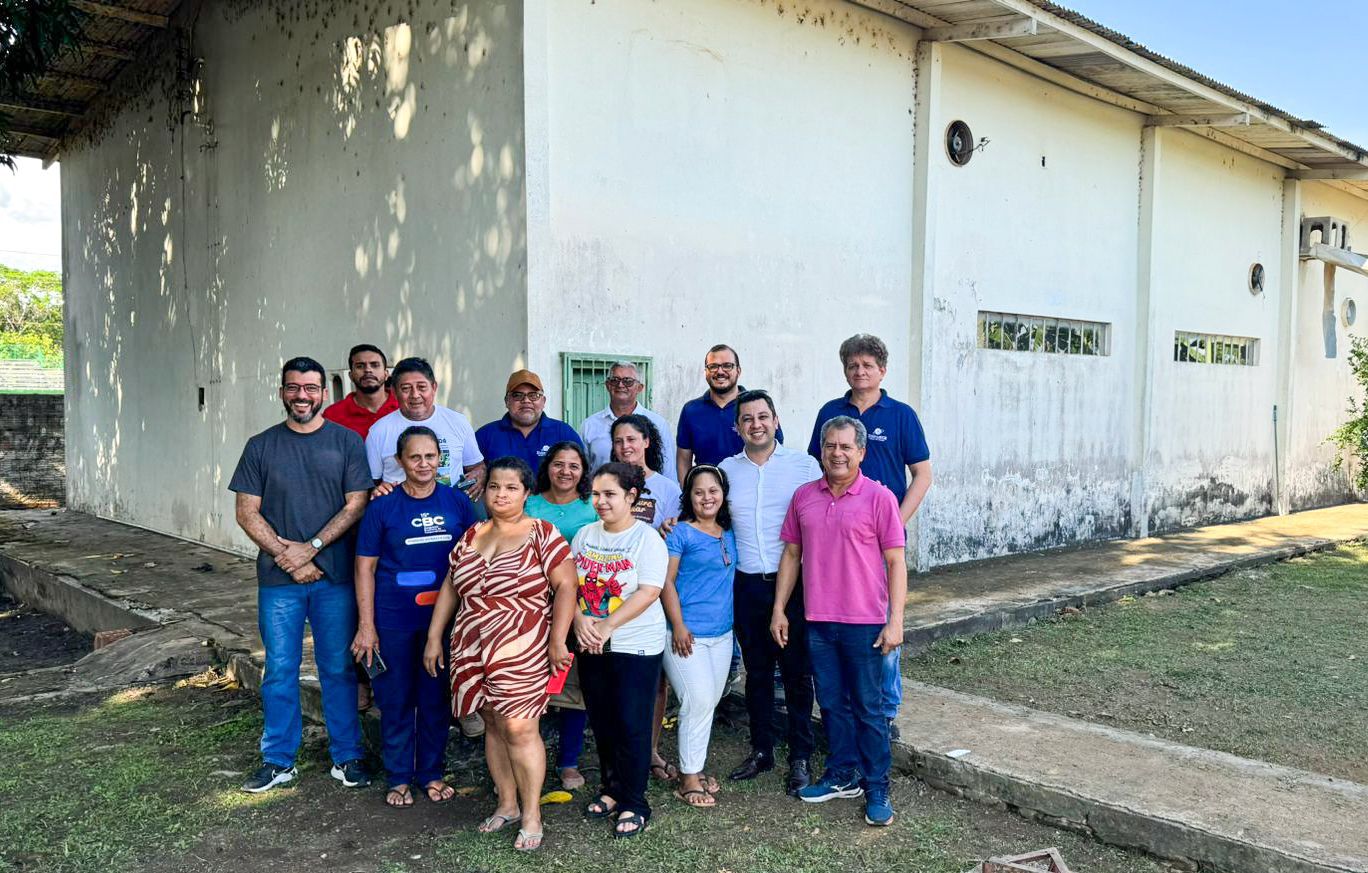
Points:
x=843 y=539
x=894 y=438
x=709 y=430
x=502 y=437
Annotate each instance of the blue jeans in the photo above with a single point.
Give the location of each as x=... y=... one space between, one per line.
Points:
x=848 y=671
x=571 y=726
x=415 y=710
x=330 y=608
x=892 y=683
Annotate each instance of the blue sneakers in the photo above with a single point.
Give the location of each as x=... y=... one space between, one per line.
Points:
x=830 y=787
x=878 y=809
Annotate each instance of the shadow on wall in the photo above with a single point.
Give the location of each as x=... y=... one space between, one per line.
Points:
x=360 y=180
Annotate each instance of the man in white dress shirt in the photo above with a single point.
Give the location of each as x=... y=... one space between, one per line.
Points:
x=763 y=477
x=624 y=386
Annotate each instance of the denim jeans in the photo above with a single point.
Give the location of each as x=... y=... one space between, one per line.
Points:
x=330 y=608
x=848 y=671
x=892 y=683
x=415 y=710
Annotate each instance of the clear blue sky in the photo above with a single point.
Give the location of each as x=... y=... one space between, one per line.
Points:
x=1289 y=54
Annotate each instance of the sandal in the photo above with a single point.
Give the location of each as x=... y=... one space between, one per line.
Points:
x=710 y=783
x=697 y=798
x=399 y=797
x=527 y=841
x=629 y=818
x=438 y=791
x=599 y=808
x=497 y=822
x=665 y=772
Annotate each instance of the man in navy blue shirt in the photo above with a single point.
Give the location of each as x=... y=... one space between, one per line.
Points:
x=524 y=431
x=707 y=424
x=896 y=444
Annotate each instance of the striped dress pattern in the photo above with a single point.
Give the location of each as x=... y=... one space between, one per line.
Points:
x=499 y=640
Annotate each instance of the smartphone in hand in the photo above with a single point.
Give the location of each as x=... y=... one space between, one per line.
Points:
x=557 y=683
x=376 y=665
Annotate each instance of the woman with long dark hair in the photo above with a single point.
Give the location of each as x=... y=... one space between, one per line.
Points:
x=637 y=442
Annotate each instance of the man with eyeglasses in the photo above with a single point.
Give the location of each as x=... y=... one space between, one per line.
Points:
x=525 y=431
x=707 y=425
x=624 y=387
x=301 y=485
x=416 y=387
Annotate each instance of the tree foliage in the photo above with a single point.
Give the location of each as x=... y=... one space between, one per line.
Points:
x=32 y=34
x=30 y=315
x=1351 y=438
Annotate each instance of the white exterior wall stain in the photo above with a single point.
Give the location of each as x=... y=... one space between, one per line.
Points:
x=1030 y=450
x=722 y=172
x=362 y=181
x=1210 y=442
x=1322 y=385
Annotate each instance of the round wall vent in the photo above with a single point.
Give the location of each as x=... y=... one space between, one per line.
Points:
x=1348 y=312
x=959 y=143
x=1256 y=279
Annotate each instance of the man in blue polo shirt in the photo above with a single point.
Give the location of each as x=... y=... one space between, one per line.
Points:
x=524 y=431
x=707 y=425
x=896 y=444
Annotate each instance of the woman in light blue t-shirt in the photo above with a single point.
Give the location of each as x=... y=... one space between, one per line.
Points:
x=698 y=604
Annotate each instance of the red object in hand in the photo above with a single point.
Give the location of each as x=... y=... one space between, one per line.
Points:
x=557 y=682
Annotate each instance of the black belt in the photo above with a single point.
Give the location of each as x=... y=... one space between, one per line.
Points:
x=763 y=577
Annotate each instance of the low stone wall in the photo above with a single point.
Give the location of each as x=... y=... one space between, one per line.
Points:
x=32 y=451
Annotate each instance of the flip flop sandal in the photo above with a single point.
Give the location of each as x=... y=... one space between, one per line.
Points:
x=497 y=822
x=696 y=792
x=670 y=770
x=710 y=783
x=403 y=795
x=631 y=818
x=598 y=809
x=444 y=791
x=530 y=842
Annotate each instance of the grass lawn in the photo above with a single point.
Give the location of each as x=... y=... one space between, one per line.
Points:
x=1269 y=663
x=146 y=780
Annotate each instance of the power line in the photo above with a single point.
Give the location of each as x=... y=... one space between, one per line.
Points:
x=40 y=254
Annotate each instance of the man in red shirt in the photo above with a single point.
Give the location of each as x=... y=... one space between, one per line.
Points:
x=371 y=400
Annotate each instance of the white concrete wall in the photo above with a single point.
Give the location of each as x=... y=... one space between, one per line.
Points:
x=1321 y=380
x=1209 y=447
x=720 y=171
x=1030 y=450
x=348 y=177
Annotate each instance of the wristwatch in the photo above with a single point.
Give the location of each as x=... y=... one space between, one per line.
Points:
x=317 y=544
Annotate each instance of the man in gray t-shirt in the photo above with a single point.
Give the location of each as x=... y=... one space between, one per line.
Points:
x=301 y=486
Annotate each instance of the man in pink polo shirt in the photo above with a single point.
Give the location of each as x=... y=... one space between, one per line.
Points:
x=846 y=534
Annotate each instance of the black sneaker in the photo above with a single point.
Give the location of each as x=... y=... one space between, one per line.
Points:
x=268 y=776
x=352 y=774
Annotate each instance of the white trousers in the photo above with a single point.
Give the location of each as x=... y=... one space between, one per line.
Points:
x=699 y=681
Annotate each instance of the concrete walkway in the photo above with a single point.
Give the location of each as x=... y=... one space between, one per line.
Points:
x=966 y=599
x=1173 y=801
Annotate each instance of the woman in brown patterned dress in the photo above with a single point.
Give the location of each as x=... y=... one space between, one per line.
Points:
x=506 y=643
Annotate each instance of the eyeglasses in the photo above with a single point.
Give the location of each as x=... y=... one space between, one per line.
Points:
x=519 y=396
x=726 y=558
x=726 y=368
x=294 y=388
x=619 y=382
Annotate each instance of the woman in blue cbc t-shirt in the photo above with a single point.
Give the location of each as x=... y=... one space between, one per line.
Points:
x=401 y=562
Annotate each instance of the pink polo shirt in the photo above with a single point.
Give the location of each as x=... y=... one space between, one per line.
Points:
x=843 y=540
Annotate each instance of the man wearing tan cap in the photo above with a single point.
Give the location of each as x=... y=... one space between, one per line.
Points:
x=524 y=431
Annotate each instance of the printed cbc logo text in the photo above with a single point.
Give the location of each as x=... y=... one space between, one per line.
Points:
x=430 y=523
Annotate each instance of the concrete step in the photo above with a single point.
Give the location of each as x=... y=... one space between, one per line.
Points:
x=1190 y=805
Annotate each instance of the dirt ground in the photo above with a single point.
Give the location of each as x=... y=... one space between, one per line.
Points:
x=146 y=779
x=1269 y=663
x=32 y=640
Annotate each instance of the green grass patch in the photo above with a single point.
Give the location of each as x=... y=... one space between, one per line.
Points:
x=1268 y=663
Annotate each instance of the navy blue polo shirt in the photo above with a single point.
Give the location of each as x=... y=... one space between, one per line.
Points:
x=895 y=438
x=709 y=431
x=499 y=438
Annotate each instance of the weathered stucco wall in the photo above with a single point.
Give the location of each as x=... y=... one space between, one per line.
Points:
x=718 y=171
x=299 y=183
x=1209 y=448
x=1030 y=449
x=1322 y=383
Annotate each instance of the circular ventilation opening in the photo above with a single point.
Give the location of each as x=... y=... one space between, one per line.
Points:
x=1348 y=312
x=959 y=143
x=1256 y=279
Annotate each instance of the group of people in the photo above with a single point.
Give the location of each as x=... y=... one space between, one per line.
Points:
x=466 y=573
